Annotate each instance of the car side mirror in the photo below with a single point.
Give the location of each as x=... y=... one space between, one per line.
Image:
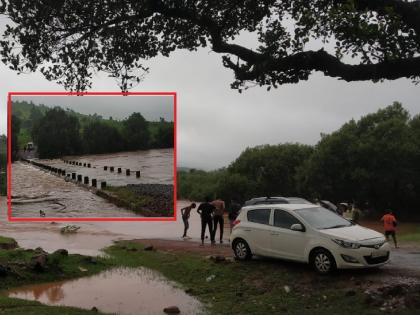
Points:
x=297 y=227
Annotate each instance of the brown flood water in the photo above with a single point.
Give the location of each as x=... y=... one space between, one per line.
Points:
x=92 y=236
x=125 y=291
x=34 y=189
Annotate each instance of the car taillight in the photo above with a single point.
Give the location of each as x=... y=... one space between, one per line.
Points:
x=236 y=222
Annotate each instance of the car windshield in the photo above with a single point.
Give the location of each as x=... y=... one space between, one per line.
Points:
x=321 y=218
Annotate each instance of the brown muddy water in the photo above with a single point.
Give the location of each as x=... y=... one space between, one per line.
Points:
x=92 y=236
x=34 y=189
x=125 y=291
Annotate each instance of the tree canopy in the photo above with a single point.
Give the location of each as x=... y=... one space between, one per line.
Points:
x=373 y=161
x=69 y=40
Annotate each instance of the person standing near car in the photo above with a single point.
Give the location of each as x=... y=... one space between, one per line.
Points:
x=355 y=214
x=205 y=210
x=219 y=210
x=185 y=216
x=390 y=226
x=233 y=213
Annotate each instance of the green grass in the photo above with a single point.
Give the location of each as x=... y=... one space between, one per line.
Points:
x=410 y=236
x=134 y=200
x=6 y=240
x=11 y=306
x=59 y=267
x=254 y=287
x=145 y=205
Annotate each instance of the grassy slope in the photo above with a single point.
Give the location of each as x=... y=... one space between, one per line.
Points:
x=255 y=287
x=59 y=268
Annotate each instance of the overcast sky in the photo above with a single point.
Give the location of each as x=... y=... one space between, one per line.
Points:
x=118 y=107
x=215 y=123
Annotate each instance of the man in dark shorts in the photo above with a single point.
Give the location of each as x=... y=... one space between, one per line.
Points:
x=206 y=210
x=185 y=216
x=390 y=224
x=219 y=204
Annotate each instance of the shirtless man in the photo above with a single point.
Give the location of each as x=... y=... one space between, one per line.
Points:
x=185 y=216
x=219 y=206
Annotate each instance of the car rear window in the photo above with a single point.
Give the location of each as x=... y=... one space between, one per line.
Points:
x=284 y=220
x=261 y=216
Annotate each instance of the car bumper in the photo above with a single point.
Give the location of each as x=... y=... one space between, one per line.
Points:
x=363 y=257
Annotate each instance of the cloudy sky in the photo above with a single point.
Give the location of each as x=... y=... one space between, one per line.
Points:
x=216 y=123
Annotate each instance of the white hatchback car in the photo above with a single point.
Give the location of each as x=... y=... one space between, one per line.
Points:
x=307 y=233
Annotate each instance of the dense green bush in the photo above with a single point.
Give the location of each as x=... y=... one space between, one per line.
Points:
x=374 y=162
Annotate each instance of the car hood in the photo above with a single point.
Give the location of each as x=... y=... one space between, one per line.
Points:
x=352 y=233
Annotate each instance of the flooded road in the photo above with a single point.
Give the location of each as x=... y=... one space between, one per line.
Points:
x=155 y=166
x=35 y=189
x=92 y=236
x=125 y=291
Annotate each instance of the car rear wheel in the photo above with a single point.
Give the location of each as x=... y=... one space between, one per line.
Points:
x=323 y=261
x=241 y=250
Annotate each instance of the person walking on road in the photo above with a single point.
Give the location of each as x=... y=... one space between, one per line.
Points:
x=185 y=216
x=205 y=210
x=219 y=206
x=390 y=226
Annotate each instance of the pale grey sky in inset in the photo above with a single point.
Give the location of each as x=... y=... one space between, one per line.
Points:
x=116 y=106
x=215 y=123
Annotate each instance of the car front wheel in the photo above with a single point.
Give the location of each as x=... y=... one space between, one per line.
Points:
x=241 y=250
x=323 y=261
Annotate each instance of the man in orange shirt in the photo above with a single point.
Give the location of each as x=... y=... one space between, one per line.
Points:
x=390 y=224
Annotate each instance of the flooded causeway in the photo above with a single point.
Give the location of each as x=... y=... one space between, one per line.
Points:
x=125 y=291
x=35 y=189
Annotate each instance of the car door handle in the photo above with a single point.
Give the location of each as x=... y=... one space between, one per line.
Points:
x=274 y=233
x=247 y=230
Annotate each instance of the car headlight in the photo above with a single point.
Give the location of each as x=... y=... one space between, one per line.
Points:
x=346 y=244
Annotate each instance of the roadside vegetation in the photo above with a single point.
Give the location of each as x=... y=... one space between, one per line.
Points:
x=58 y=132
x=149 y=205
x=372 y=161
x=260 y=286
x=20 y=266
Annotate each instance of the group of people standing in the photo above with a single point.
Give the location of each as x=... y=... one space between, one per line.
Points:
x=212 y=216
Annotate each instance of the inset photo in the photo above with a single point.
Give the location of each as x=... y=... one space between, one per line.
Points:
x=92 y=156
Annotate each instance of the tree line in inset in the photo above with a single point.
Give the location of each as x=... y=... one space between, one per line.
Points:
x=57 y=132
x=374 y=162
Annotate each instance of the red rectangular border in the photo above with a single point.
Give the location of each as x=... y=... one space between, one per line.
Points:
x=9 y=157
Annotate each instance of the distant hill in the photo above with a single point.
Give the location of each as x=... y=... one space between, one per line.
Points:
x=29 y=113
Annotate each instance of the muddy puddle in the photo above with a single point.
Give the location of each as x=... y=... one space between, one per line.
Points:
x=125 y=291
